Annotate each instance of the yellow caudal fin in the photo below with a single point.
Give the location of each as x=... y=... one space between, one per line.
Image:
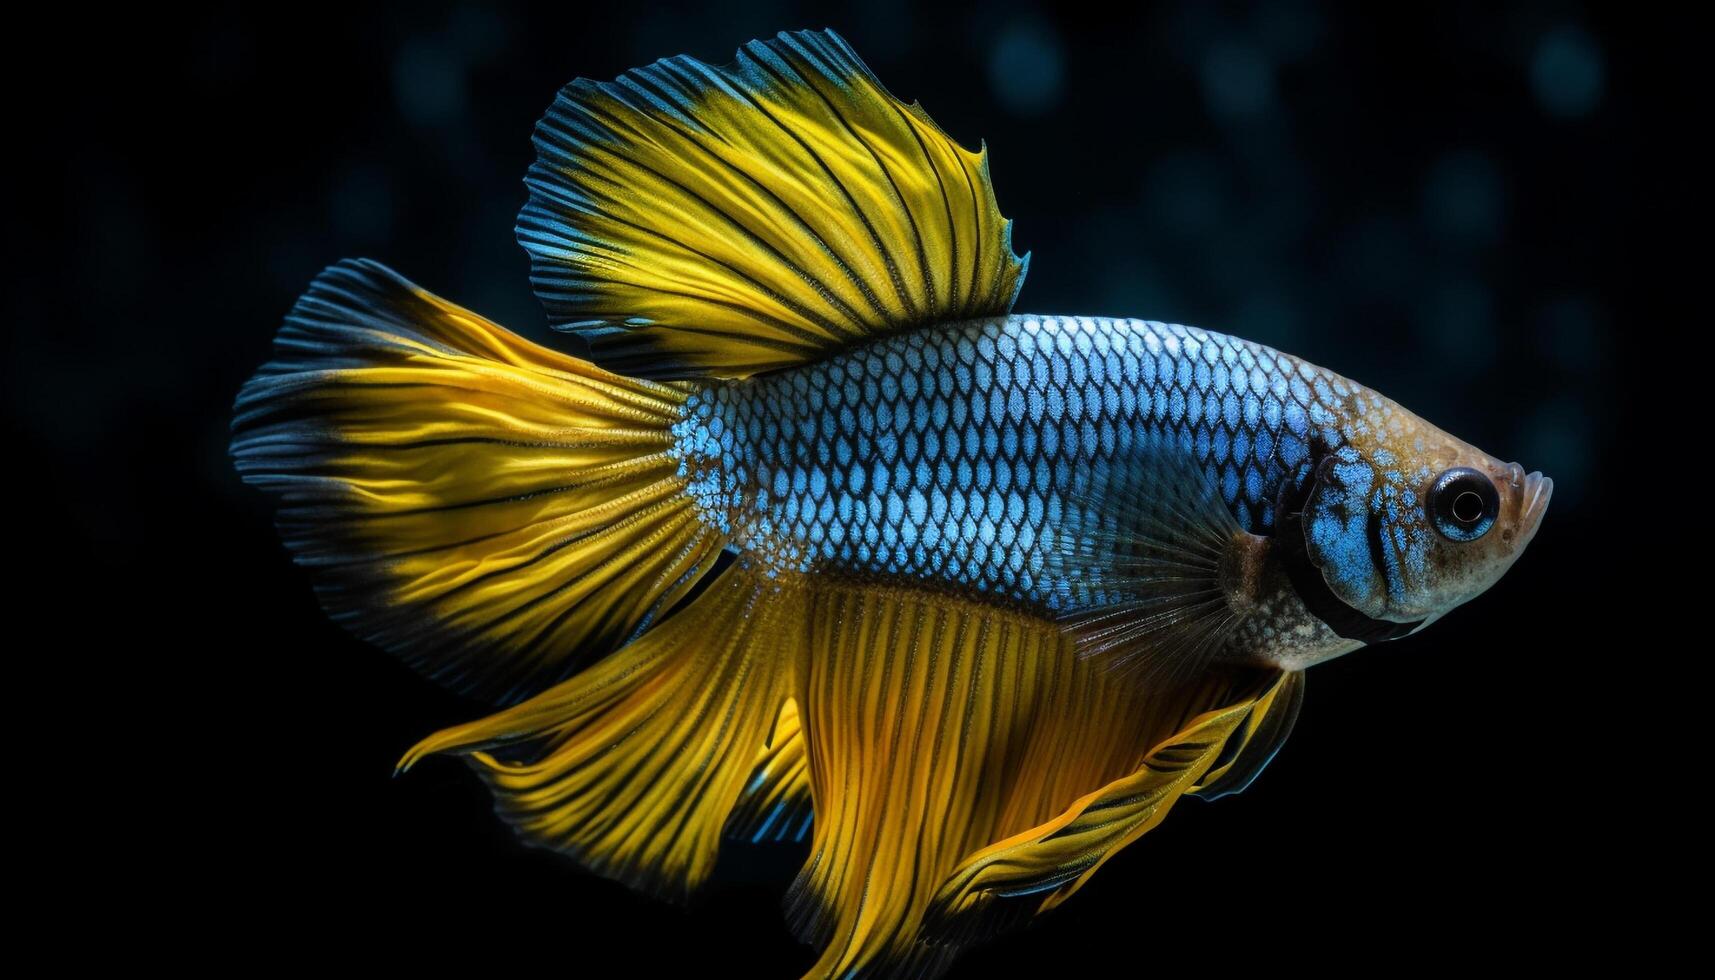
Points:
x=634 y=766
x=937 y=730
x=700 y=221
x=491 y=511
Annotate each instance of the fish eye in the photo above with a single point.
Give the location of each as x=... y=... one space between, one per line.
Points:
x=1463 y=504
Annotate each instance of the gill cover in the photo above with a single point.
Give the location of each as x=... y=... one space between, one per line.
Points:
x=1347 y=546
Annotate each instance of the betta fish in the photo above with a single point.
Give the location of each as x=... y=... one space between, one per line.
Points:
x=820 y=540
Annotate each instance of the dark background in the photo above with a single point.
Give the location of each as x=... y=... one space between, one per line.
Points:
x=1453 y=204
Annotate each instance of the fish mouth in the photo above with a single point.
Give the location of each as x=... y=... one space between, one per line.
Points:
x=1534 y=491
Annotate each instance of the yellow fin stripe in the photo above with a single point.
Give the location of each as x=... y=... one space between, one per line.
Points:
x=776 y=804
x=967 y=767
x=1043 y=866
x=935 y=728
x=690 y=220
x=1254 y=745
x=633 y=766
x=491 y=511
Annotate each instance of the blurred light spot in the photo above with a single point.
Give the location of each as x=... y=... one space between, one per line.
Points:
x=479 y=32
x=1027 y=68
x=1570 y=331
x=428 y=82
x=362 y=204
x=1289 y=31
x=1190 y=28
x=1185 y=193
x=1458 y=324
x=1567 y=72
x=1237 y=80
x=1281 y=201
x=1557 y=441
x=1463 y=197
x=1376 y=260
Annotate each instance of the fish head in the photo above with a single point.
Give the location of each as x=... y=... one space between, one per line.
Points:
x=1405 y=521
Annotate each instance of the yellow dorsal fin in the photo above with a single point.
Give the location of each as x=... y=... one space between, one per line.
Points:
x=698 y=221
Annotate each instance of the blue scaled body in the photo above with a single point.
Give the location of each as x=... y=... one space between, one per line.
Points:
x=949 y=455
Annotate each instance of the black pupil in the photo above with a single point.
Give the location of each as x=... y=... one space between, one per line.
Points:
x=1468 y=507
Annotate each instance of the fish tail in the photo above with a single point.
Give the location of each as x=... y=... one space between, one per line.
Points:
x=495 y=513
x=499 y=515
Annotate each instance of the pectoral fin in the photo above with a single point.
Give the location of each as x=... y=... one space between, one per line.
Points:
x=1147 y=556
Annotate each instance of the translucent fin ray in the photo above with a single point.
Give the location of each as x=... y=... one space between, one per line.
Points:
x=1142 y=555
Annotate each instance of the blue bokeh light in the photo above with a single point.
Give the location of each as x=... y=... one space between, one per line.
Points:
x=1457 y=324
x=1567 y=73
x=429 y=83
x=1464 y=197
x=1238 y=80
x=1027 y=68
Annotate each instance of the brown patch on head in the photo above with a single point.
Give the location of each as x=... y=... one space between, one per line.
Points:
x=1407 y=521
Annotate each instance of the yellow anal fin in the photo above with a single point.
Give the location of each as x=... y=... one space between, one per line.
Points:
x=633 y=767
x=489 y=510
x=937 y=727
x=699 y=221
x=776 y=805
x=1031 y=872
x=1254 y=746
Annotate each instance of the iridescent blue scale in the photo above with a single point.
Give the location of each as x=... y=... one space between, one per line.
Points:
x=946 y=455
